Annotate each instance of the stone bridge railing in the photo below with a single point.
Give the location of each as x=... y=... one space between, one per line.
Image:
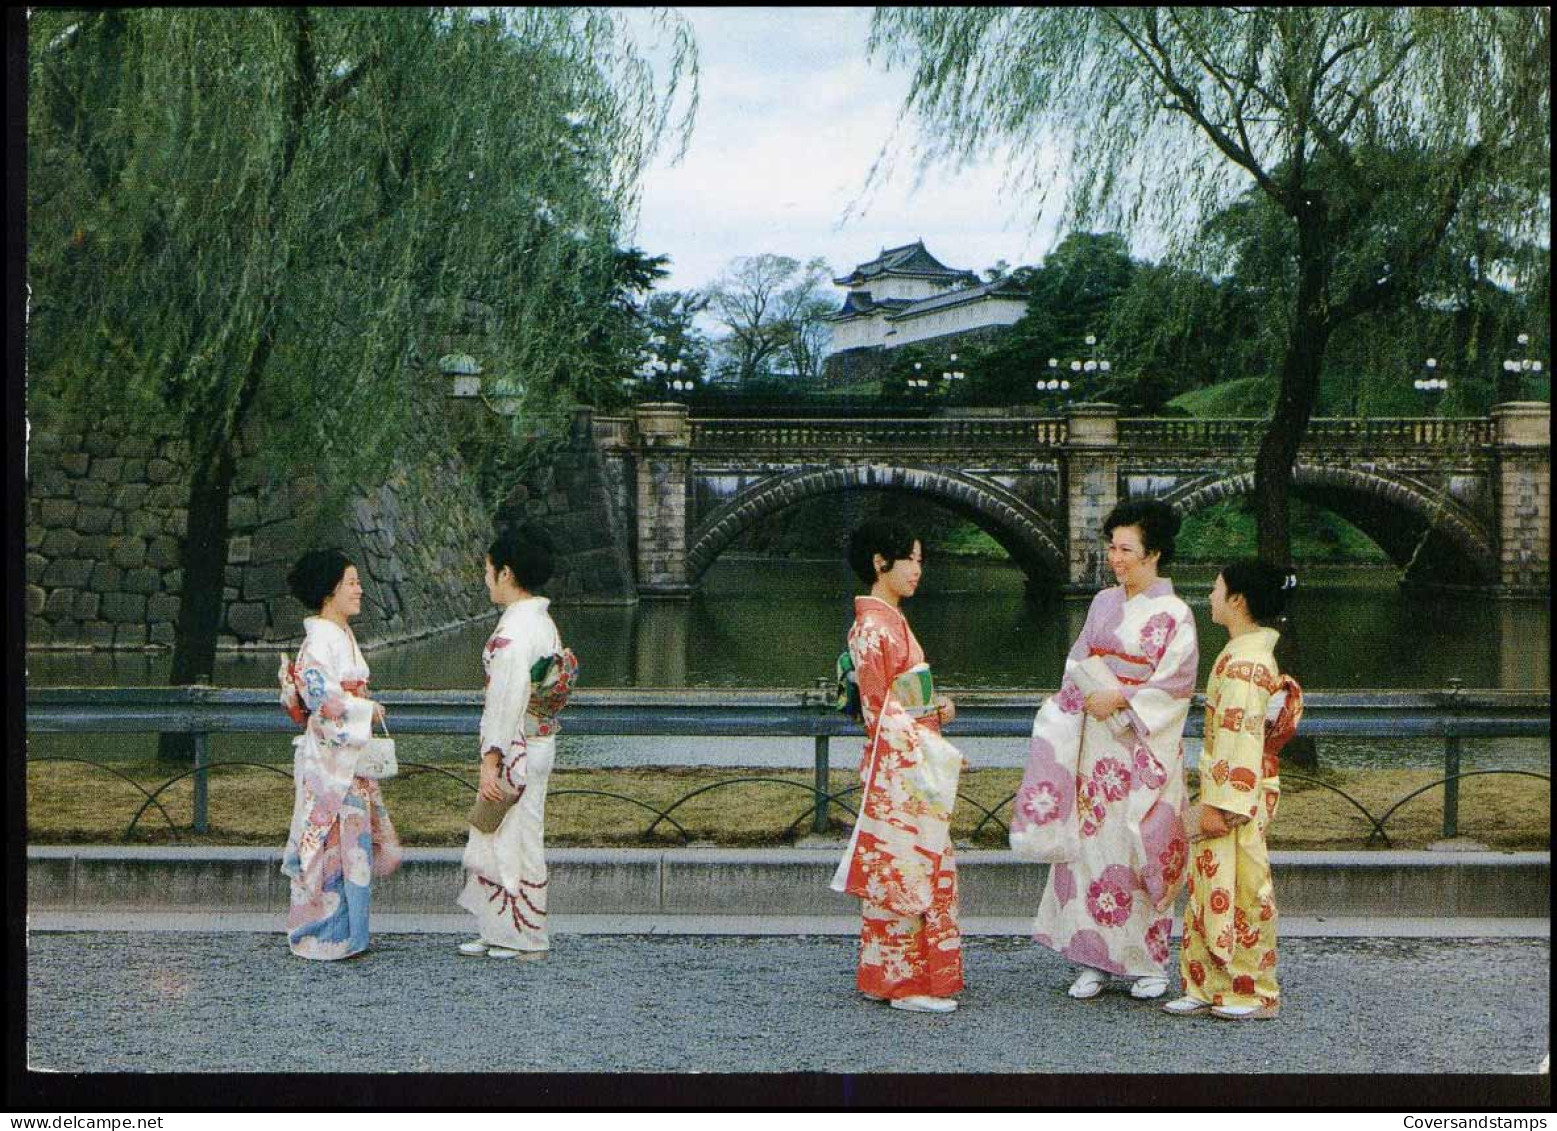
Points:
x=1025 y=434
x=955 y=434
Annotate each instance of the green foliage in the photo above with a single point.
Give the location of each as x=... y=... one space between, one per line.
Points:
x=1226 y=530
x=292 y=210
x=1246 y=396
x=1160 y=117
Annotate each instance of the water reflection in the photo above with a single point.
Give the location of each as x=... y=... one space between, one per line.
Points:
x=764 y=623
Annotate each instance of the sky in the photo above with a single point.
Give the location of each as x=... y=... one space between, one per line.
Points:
x=791 y=117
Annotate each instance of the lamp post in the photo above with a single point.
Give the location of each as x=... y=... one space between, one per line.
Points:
x=1052 y=383
x=1517 y=368
x=1080 y=366
x=950 y=377
x=916 y=381
x=1430 y=382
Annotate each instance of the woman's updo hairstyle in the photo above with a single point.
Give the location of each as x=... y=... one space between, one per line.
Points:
x=884 y=536
x=1158 y=521
x=1264 y=587
x=527 y=550
x=316 y=575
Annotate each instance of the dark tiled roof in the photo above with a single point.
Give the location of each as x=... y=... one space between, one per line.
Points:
x=910 y=259
x=1000 y=288
x=856 y=303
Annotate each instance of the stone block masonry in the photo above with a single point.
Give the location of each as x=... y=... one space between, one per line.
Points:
x=106 y=518
x=573 y=498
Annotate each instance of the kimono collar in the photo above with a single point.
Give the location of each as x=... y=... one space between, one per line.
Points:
x=316 y=623
x=861 y=607
x=526 y=605
x=1162 y=587
x=1260 y=640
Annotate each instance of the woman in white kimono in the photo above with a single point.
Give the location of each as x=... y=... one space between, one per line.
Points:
x=528 y=677
x=1104 y=794
x=341 y=835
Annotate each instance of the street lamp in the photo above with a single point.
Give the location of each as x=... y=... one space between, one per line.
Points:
x=1078 y=366
x=917 y=379
x=1519 y=367
x=1052 y=382
x=1430 y=381
x=952 y=376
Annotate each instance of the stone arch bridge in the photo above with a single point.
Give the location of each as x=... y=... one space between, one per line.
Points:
x=1461 y=502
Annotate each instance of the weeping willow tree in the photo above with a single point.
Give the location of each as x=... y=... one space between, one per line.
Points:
x=1159 y=117
x=274 y=216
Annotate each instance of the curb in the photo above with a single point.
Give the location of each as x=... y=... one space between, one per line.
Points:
x=764 y=882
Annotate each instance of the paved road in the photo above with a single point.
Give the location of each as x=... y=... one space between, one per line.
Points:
x=238 y=1002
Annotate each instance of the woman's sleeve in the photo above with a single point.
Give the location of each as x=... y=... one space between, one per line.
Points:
x=879 y=656
x=336 y=716
x=502 y=715
x=1079 y=650
x=1162 y=702
x=1238 y=719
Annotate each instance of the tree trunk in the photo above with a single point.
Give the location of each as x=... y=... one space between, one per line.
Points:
x=203 y=560
x=1299 y=391
x=1295 y=402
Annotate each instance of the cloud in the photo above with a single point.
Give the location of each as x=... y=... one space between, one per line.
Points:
x=791 y=119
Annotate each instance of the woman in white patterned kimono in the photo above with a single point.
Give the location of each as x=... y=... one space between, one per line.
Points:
x=505 y=870
x=1104 y=793
x=341 y=835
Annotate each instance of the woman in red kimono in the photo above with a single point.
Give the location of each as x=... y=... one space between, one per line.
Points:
x=899 y=860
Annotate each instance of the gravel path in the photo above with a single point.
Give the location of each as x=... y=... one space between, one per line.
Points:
x=235 y=1002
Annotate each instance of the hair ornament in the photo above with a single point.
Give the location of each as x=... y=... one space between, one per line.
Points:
x=1289 y=582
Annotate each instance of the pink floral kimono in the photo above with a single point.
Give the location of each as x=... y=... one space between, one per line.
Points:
x=341 y=834
x=1106 y=812
x=899 y=860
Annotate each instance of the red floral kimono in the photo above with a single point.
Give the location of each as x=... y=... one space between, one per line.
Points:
x=899 y=860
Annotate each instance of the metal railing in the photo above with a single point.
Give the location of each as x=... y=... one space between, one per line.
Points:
x=1449 y=716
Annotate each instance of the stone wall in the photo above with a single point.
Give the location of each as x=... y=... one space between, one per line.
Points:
x=572 y=498
x=864 y=364
x=106 y=517
x=1524 y=498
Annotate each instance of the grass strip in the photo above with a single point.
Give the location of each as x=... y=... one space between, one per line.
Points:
x=73 y=803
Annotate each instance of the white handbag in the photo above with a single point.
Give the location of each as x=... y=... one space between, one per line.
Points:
x=377 y=759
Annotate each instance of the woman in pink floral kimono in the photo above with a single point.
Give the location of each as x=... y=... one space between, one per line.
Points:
x=1104 y=793
x=341 y=834
x=899 y=860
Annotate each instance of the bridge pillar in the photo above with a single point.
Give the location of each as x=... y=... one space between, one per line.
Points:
x=1090 y=480
x=1524 y=496
x=662 y=466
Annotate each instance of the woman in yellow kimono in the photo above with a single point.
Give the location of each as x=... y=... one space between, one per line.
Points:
x=1228 y=956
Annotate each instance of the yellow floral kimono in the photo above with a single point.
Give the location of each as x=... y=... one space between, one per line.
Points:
x=1229 y=951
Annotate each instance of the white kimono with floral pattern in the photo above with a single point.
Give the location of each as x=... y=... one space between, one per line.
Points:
x=505 y=871
x=1107 y=812
x=341 y=834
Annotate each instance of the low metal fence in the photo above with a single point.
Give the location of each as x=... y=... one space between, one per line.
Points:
x=1449 y=716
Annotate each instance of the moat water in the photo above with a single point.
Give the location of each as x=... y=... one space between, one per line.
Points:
x=760 y=623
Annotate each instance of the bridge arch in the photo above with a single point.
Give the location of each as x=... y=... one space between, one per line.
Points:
x=1459 y=549
x=1021 y=531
